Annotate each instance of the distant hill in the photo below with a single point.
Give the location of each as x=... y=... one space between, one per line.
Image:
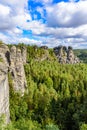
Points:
x=81 y=54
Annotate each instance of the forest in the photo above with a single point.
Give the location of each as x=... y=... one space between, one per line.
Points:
x=55 y=98
x=82 y=54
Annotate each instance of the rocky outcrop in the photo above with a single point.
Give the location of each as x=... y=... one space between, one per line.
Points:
x=17 y=59
x=12 y=61
x=4 y=91
x=24 y=54
x=44 y=47
x=66 y=55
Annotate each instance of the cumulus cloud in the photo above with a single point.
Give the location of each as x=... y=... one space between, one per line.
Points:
x=13 y=13
x=65 y=22
x=9 y=39
x=4 y=10
x=67 y=14
x=13 y=18
x=41 y=11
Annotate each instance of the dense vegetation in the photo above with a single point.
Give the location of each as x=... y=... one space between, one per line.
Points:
x=55 y=99
x=82 y=54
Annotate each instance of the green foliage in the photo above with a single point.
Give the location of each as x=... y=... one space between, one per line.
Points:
x=27 y=125
x=1 y=42
x=51 y=127
x=18 y=108
x=10 y=126
x=60 y=91
x=39 y=54
x=56 y=97
x=1 y=60
x=2 y=122
x=82 y=54
x=83 y=126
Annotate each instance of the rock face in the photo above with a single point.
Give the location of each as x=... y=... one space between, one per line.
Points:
x=11 y=60
x=4 y=87
x=17 y=69
x=65 y=55
x=24 y=55
x=4 y=92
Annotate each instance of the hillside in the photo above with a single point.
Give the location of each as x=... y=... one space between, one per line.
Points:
x=55 y=97
x=82 y=54
x=61 y=54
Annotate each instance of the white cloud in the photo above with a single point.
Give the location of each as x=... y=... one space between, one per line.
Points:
x=29 y=41
x=37 y=27
x=3 y=37
x=8 y=39
x=66 y=23
x=67 y=14
x=13 y=13
x=41 y=11
x=4 y=10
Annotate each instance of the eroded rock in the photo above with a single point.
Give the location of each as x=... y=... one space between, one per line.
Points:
x=4 y=91
x=11 y=61
x=66 y=55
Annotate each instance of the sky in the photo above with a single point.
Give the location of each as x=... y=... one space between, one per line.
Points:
x=44 y=22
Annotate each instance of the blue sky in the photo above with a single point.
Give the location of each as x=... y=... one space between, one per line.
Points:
x=44 y=22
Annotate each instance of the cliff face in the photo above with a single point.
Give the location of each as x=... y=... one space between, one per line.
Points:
x=4 y=87
x=17 y=69
x=11 y=60
x=65 y=55
x=4 y=91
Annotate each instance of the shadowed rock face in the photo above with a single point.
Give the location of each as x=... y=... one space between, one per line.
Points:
x=66 y=55
x=11 y=61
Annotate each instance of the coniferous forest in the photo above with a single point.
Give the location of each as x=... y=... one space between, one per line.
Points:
x=55 y=98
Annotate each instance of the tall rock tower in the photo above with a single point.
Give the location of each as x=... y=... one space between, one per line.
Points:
x=4 y=86
x=65 y=55
x=12 y=61
x=17 y=69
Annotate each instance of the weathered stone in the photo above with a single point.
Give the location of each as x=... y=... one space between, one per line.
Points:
x=4 y=92
x=4 y=53
x=65 y=55
x=17 y=69
x=24 y=53
x=44 y=47
x=11 y=61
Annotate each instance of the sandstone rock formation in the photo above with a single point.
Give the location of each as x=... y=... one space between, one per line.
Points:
x=12 y=61
x=45 y=53
x=66 y=55
x=4 y=86
x=17 y=69
x=24 y=55
x=4 y=91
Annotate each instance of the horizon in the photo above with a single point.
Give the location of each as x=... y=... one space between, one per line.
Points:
x=44 y=22
x=33 y=45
